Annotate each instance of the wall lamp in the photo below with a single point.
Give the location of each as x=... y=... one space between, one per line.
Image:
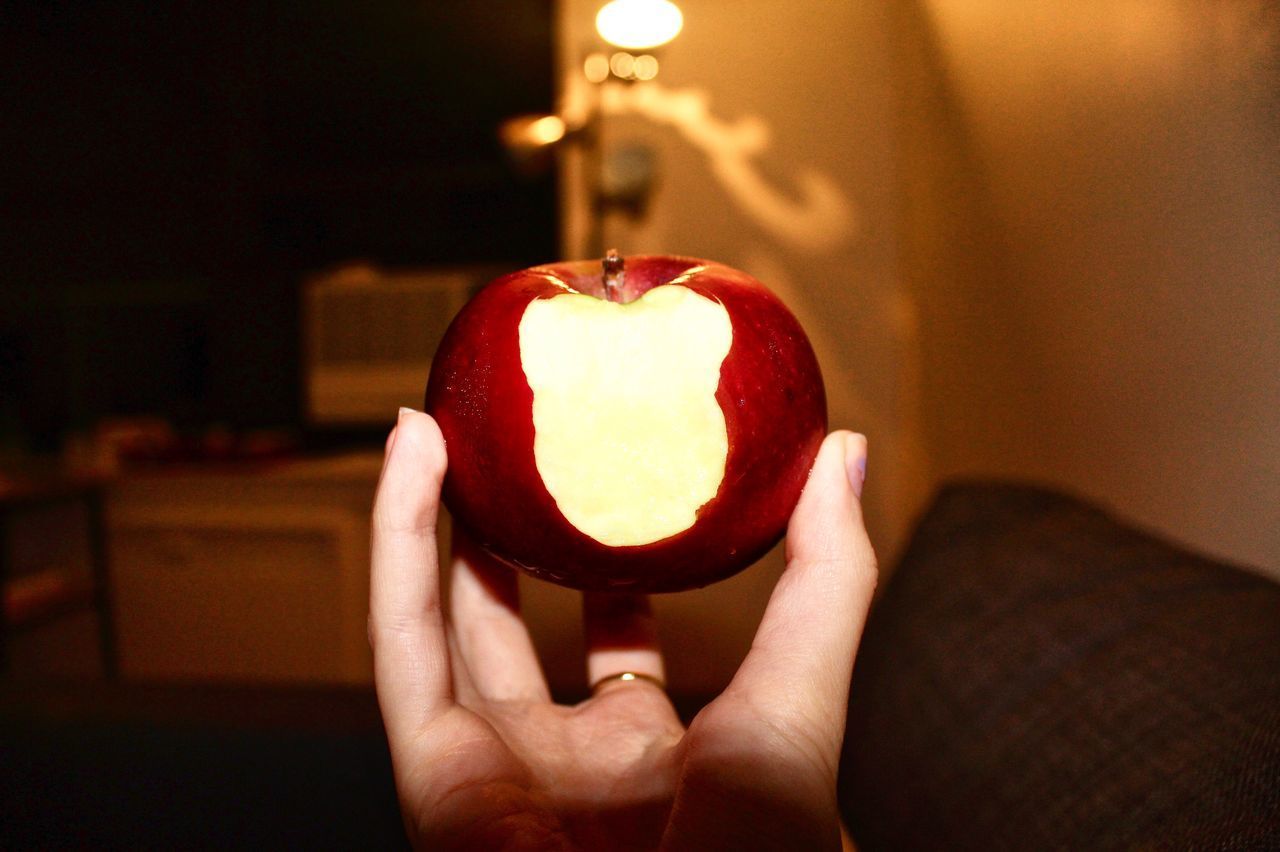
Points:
x=631 y=32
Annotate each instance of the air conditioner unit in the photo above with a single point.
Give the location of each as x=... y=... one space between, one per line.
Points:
x=369 y=335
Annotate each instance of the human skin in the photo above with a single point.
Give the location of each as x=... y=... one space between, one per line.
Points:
x=483 y=759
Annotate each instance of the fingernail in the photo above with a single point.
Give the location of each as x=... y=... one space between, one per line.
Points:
x=391 y=439
x=855 y=458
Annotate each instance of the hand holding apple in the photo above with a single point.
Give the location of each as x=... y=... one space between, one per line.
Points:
x=647 y=427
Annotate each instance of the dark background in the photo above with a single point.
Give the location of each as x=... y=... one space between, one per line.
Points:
x=171 y=172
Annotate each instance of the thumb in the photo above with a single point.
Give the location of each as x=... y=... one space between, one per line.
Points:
x=406 y=627
x=801 y=660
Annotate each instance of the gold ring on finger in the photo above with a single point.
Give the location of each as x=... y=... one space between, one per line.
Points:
x=627 y=677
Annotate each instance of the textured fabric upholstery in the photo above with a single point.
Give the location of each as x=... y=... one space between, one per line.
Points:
x=1038 y=675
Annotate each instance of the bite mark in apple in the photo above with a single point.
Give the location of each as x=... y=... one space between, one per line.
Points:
x=629 y=438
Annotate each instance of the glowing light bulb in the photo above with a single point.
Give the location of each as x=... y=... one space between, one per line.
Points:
x=596 y=67
x=622 y=64
x=526 y=134
x=639 y=24
x=646 y=67
x=546 y=130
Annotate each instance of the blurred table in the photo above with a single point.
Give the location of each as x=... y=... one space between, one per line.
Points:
x=246 y=571
x=35 y=595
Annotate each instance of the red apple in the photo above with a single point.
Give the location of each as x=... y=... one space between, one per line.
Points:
x=646 y=427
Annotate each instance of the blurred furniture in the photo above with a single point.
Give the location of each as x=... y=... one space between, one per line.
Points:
x=44 y=591
x=245 y=571
x=1039 y=675
x=369 y=335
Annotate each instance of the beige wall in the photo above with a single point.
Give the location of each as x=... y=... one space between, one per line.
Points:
x=1092 y=233
x=1058 y=262
x=818 y=76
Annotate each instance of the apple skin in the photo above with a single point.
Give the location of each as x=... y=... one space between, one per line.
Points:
x=770 y=391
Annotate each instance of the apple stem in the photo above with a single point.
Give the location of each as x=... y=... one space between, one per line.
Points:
x=614 y=270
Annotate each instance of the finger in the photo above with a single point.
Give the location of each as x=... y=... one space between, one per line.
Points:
x=801 y=660
x=492 y=640
x=464 y=689
x=621 y=636
x=406 y=626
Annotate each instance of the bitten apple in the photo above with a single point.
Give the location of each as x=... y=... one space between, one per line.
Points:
x=642 y=425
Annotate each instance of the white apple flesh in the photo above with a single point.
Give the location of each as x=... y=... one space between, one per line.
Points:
x=628 y=436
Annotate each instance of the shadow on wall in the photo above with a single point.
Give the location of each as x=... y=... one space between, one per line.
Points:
x=821 y=219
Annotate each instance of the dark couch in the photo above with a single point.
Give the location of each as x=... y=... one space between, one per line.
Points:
x=1038 y=675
